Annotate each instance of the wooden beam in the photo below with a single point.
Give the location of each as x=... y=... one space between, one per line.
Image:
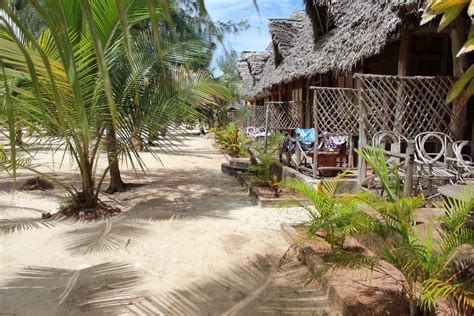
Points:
x=361 y=163
x=403 y=54
x=458 y=37
x=307 y=102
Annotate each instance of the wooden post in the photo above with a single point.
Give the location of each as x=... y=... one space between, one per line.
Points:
x=362 y=164
x=409 y=169
x=472 y=138
x=316 y=135
x=298 y=152
x=351 y=150
x=266 y=125
x=403 y=56
x=458 y=36
x=307 y=103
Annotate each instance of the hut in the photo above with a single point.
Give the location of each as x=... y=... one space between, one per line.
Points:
x=331 y=41
x=233 y=109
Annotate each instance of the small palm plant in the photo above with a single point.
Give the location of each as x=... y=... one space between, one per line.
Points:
x=262 y=167
x=331 y=216
x=429 y=262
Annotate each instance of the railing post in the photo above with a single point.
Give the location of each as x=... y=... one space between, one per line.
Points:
x=350 y=163
x=266 y=126
x=409 y=169
x=298 y=152
x=316 y=135
x=361 y=163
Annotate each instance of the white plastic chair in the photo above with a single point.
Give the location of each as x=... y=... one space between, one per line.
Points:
x=250 y=132
x=395 y=140
x=463 y=162
x=437 y=165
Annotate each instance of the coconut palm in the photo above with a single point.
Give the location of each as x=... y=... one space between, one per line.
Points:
x=59 y=82
x=148 y=100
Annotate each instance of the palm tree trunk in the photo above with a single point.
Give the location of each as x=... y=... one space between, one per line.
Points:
x=116 y=182
x=413 y=308
x=87 y=199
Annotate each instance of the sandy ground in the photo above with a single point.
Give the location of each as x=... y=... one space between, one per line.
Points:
x=188 y=242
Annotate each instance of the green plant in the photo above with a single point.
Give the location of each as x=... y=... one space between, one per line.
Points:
x=262 y=167
x=426 y=260
x=332 y=216
x=450 y=11
x=232 y=140
x=57 y=83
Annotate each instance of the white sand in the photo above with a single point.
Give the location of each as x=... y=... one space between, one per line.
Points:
x=187 y=242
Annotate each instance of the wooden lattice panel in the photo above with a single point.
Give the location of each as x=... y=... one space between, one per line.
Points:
x=336 y=111
x=254 y=118
x=406 y=105
x=258 y=116
x=285 y=115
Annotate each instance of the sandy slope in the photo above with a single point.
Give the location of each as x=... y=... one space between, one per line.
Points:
x=188 y=242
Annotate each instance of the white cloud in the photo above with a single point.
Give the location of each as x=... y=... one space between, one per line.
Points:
x=256 y=37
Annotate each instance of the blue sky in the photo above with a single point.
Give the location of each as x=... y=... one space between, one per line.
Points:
x=256 y=37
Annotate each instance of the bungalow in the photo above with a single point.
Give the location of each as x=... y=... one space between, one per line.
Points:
x=335 y=44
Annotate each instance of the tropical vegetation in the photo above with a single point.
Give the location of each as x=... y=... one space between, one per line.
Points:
x=232 y=140
x=435 y=258
x=450 y=11
x=99 y=76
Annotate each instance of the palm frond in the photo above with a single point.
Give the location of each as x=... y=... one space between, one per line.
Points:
x=106 y=235
x=18 y=225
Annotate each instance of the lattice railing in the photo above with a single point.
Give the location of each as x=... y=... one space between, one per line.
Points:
x=285 y=115
x=336 y=111
x=406 y=105
x=254 y=116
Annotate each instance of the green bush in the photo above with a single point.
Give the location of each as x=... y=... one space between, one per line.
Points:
x=231 y=140
x=262 y=168
x=436 y=263
x=332 y=216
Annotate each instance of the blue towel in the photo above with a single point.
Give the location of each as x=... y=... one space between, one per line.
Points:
x=306 y=135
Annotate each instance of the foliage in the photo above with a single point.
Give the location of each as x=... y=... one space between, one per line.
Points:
x=58 y=84
x=262 y=169
x=266 y=159
x=450 y=10
x=244 y=114
x=232 y=140
x=230 y=75
x=332 y=216
x=388 y=175
x=427 y=260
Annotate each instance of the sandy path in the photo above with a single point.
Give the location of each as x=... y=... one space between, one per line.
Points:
x=188 y=242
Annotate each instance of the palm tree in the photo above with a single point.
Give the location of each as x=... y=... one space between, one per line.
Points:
x=66 y=94
x=332 y=217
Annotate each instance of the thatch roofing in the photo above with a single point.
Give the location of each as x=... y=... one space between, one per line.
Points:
x=362 y=29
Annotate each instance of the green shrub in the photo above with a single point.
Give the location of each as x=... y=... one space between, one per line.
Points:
x=332 y=217
x=231 y=140
x=430 y=266
x=262 y=168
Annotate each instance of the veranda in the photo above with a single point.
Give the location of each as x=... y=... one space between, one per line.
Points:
x=386 y=111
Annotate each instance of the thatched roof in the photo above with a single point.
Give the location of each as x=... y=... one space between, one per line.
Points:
x=362 y=29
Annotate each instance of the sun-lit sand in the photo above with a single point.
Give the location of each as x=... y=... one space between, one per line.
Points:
x=188 y=240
